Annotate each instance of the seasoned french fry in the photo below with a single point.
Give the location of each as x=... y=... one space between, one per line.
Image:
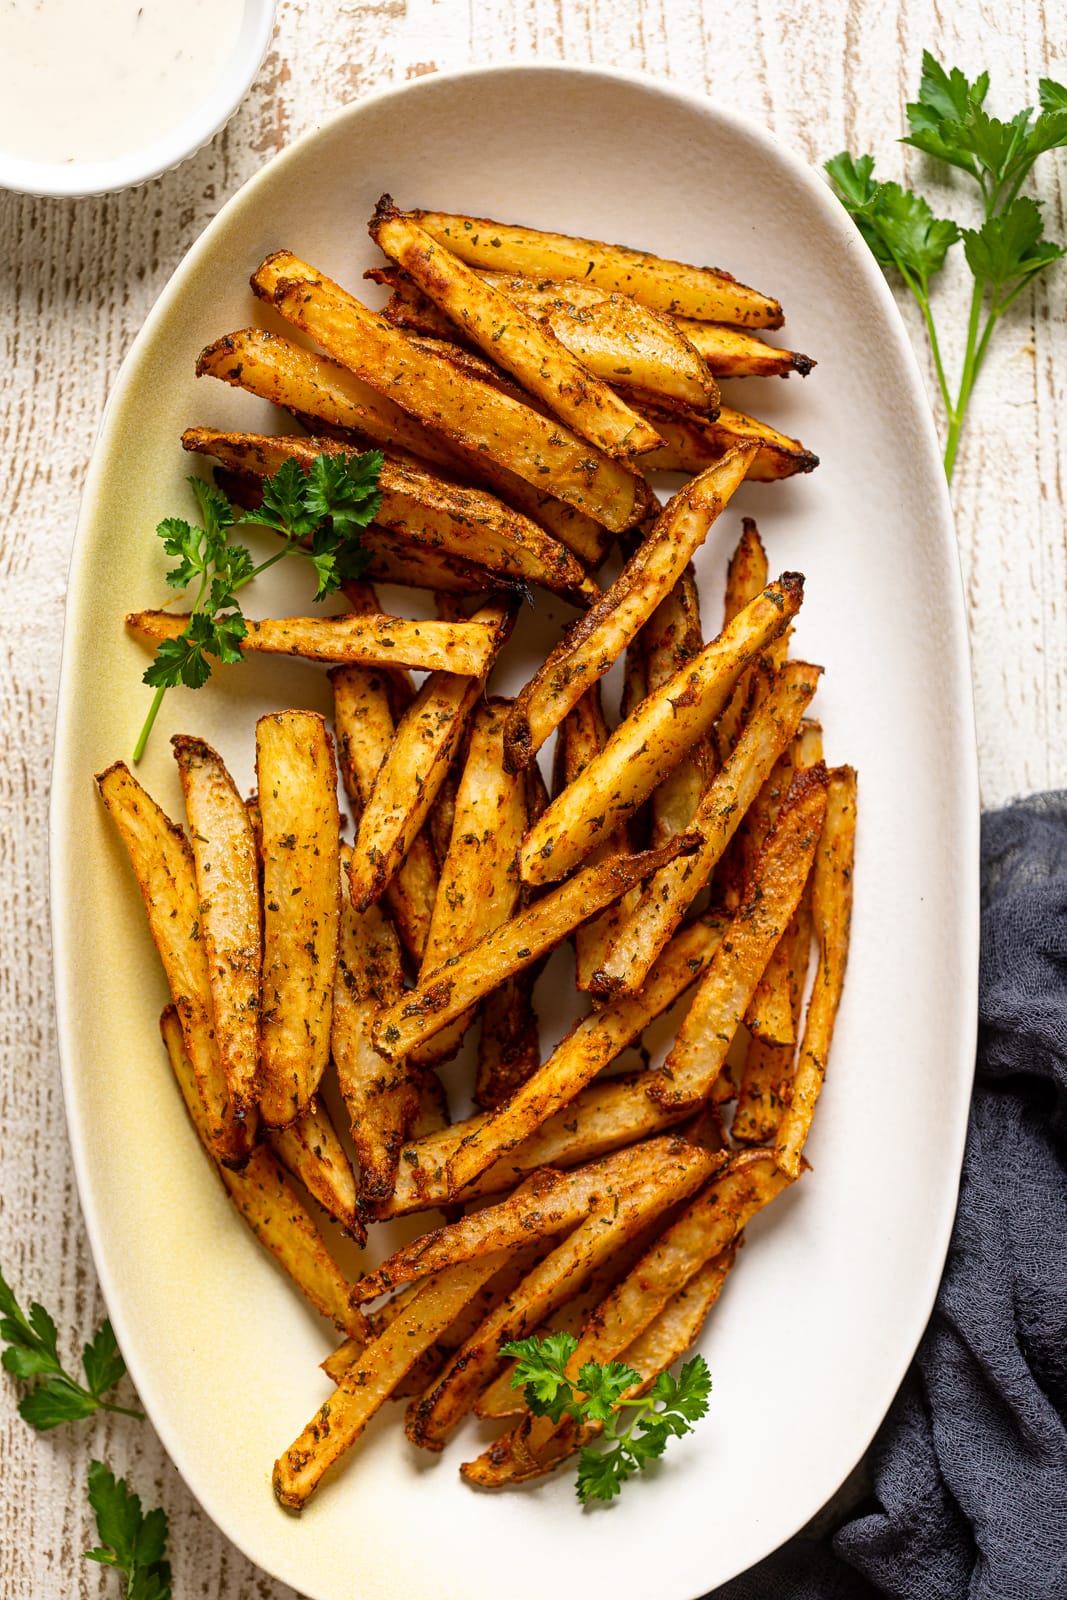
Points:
x=469 y=413
x=692 y=444
x=654 y=738
x=746 y=577
x=383 y=641
x=509 y=1046
x=518 y=943
x=725 y=801
x=733 y=353
x=310 y=1149
x=433 y=1114
x=599 y=638
x=297 y=782
x=428 y=510
x=708 y=1227
x=700 y=1048
x=373 y=1377
x=415 y=767
x=267 y=1201
x=832 y=917
x=381 y=1097
x=672 y=638
x=768 y=1070
x=227 y=882
x=589 y=1047
x=544 y=1205
x=515 y=341
x=163 y=866
x=670 y=286
x=674 y=1176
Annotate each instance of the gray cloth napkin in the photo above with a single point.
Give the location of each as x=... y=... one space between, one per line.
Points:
x=969 y=1469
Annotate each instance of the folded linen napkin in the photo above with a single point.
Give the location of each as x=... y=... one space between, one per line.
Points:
x=969 y=1469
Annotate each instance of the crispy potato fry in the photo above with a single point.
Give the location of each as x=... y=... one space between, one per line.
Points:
x=700 y=1048
x=518 y=943
x=768 y=1070
x=469 y=413
x=515 y=341
x=725 y=801
x=654 y=738
x=544 y=1205
x=297 y=782
x=733 y=353
x=381 y=1097
x=691 y=444
x=372 y=1378
x=227 y=882
x=424 y=508
x=832 y=916
x=708 y=1227
x=592 y=1043
x=509 y=1045
x=415 y=767
x=670 y=286
x=672 y=638
x=365 y=728
x=163 y=866
x=383 y=641
x=310 y=1149
x=599 y=638
x=746 y=577
x=267 y=1201
x=674 y=1176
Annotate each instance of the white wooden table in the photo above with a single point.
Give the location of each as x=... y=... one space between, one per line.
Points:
x=76 y=281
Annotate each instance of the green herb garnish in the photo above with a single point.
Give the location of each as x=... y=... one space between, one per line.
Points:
x=1004 y=253
x=319 y=514
x=31 y=1353
x=132 y=1541
x=599 y=1398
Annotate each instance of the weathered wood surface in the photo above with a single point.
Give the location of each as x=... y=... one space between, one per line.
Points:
x=77 y=279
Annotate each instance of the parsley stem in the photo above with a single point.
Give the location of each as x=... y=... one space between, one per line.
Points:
x=967 y=377
x=935 y=349
x=122 y=1411
x=153 y=712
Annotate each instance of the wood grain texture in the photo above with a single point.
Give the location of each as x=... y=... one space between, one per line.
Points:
x=77 y=279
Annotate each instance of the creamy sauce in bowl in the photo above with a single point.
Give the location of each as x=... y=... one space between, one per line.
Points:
x=91 y=80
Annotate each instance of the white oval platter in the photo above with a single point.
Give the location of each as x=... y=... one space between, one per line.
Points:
x=823 y=1313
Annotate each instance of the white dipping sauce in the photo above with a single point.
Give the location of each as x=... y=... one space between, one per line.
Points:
x=89 y=80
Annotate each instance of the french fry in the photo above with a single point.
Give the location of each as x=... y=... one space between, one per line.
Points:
x=672 y=638
x=654 y=738
x=692 y=444
x=381 y=1097
x=446 y=993
x=383 y=641
x=725 y=801
x=509 y=1046
x=674 y=1176
x=433 y=1115
x=706 y=1228
x=371 y=1379
x=832 y=916
x=768 y=1070
x=365 y=728
x=668 y=286
x=415 y=767
x=468 y=413
x=545 y=1204
x=589 y=1047
x=700 y=1048
x=297 y=782
x=733 y=353
x=746 y=577
x=163 y=866
x=310 y=1149
x=600 y=637
x=515 y=341
x=267 y=1201
x=227 y=881
x=424 y=508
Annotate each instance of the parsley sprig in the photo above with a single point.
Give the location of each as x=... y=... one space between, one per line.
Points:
x=1004 y=253
x=31 y=1354
x=132 y=1541
x=635 y=1430
x=319 y=514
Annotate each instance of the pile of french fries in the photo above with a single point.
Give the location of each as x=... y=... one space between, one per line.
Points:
x=694 y=854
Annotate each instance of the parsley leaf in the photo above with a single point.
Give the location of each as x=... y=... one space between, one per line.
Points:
x=132 y=1541
x=32 y=1353
x=319 y=513
x=599 y=1398
x=949 y=121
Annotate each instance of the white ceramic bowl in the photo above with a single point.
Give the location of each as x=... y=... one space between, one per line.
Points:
x=149 y=159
